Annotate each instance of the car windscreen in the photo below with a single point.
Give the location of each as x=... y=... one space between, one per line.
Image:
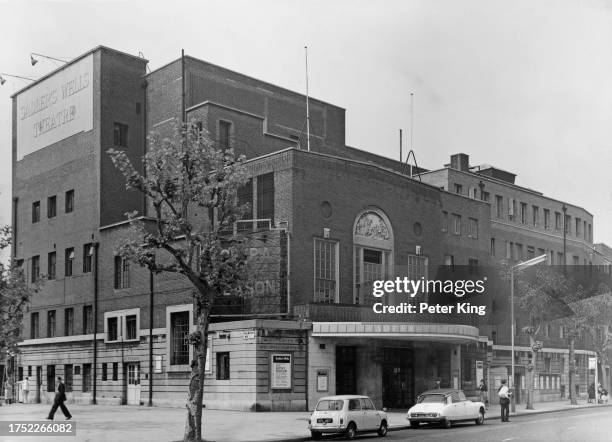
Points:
x=431 y=399
x=330 y=405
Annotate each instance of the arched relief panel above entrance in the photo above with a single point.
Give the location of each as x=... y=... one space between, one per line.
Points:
x=372 y=228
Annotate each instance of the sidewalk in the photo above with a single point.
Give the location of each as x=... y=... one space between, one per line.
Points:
x=115 y=423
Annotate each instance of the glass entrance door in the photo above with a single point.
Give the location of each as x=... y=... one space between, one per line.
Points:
x=398 y=378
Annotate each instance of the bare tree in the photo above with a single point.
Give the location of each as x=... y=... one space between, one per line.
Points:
x=187 y=179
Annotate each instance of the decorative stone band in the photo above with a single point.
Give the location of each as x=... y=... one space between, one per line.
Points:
x=450 y=333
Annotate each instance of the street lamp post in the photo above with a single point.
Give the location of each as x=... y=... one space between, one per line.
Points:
x=518 y=267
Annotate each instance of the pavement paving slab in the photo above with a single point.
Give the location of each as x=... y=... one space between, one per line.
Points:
x=114 y=423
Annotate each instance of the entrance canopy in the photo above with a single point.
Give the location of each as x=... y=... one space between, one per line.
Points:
x=449 y=333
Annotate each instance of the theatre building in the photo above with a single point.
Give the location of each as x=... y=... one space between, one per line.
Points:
x=326 y=223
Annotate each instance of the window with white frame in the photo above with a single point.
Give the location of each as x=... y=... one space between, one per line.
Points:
x=179 y=323
x=373 y=253
x=325 y=271
x=417 y=268
x=122 y=325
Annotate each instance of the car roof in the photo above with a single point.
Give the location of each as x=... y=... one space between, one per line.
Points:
x=444 y=391
x=343 y=397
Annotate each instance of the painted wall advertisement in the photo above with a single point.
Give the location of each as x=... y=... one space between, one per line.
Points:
x=55 y=108
x=281 y=371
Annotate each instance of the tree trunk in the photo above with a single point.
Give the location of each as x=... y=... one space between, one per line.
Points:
x=193 y=426
x=604 y=379
x=531 y=374
x=572 y=368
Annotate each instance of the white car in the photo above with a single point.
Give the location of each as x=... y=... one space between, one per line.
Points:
x=348 y=414
x=445 y=406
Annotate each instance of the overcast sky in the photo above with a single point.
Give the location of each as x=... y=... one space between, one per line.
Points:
x=523 y=85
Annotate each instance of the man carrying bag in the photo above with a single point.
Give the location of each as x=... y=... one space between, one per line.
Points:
x=504 y=401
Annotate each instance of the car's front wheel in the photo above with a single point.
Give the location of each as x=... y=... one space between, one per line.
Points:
x=480 y=419
x=351 y=431
x=316 y=435
x=447 y=423
x=382 y=430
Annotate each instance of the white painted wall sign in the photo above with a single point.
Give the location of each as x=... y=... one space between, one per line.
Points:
x=56 y=108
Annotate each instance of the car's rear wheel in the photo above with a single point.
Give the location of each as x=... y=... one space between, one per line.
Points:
x=414 y=424
x=316 y=435
x=382 y=430
x=351 y=430
x=447 y=423
x=480 y=419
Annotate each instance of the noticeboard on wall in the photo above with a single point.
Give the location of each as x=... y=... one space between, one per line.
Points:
x=322 y=380
x=281 y=372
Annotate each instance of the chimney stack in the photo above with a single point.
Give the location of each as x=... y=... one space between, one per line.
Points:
x=460 y=161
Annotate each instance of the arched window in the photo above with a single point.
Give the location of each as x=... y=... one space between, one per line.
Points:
x=373 y=253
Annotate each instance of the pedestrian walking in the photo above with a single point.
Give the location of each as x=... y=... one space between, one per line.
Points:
x=25 y=388
x=591 y=392
x=483 y=393
x=504 y=401
x=58 y=401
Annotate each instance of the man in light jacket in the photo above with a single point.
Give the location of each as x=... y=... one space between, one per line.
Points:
x=504 y=401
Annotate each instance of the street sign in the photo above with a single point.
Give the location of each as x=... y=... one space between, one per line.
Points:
x=592 y=363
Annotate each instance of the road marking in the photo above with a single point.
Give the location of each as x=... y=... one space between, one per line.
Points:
x=505 y=440
x=570 y=428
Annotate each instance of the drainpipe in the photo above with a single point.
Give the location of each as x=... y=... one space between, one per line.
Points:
x=151 y=370
x=95 y=324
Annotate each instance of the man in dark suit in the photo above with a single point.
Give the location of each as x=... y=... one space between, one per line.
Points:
x=58 y=401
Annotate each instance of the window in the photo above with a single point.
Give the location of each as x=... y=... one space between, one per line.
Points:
x=179 y=345
x=458 y=189
x=560 y=258
x=86 y=377
x=88 y=252
x=417 y=267
x=444 y=221
x=51 y=206
x=530 y=252
x=34 y=325
x=492 y=246
x=325 y=271
x=245 y=196
x=112 y=329
x=449 y=260
x=225 y=133
x=87 y=319
x=524 y=213
x=35 y=268
x=499 y=205
x=546 y=219
x=35 y=211
x=69 y=206
x=576 y=260
x=223 y=366
x=584 y=230
x=511 y=208
x=104 y=372
x=568 y=224
x=485 y=196
x=558 y=221
x=68 y=369
x=122 y=273
x=69 y=322
x=265 y=196
x=115 y=371
x=472 y=265
x=519 y=251
x=51 y=265
x=590 y=233
x=472 y=192
x=473 y=228
x=51 y=324
x=51 y=378
x=29 y=371
x=578 y=225
x=69 y=258
x=456 y=224
x=120 y=134
x=535 y=215
x=354 y=405
x=130 y=327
